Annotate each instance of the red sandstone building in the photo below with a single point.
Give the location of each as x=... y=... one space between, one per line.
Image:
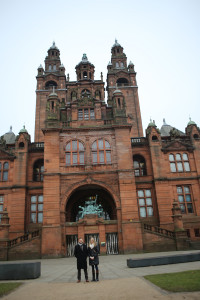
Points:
x=91 y=171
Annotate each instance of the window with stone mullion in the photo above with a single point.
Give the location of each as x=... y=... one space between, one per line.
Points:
x=185 y=199
x=145 y=203
x=101 y=153
x=74 y=153
x=179 y=162
x=36 y=209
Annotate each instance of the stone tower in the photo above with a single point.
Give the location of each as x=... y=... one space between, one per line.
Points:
x=121 y=83
x=52 y=79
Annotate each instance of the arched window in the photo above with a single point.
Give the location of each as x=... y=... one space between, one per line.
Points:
x=179 y=162
x=122 y=82
x=38 y=170
x=139 y=165
x=21 y=145
x=117 y=65
x=154 y=138
x=75 y=153
x=84 y=74
x=101 y=152
x=50 y=84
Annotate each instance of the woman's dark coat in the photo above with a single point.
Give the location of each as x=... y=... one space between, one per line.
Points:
x=81 y=256
x=95 y=253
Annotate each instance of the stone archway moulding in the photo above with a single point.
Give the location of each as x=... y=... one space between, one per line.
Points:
x=69 y=191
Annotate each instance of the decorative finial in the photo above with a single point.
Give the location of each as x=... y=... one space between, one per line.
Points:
x=101 y=76
x=10 y=128
x=115 y=41
x=84 y=58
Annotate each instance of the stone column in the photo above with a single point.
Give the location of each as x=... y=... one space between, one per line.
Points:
x=4 y=235
x=182 y=242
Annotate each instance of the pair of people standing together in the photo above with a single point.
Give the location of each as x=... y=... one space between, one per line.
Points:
x=81 y=253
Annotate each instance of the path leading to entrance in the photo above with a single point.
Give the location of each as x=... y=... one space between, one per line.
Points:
x=117 y=281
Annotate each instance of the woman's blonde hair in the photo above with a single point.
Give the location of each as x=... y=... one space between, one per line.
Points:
x=95 y=243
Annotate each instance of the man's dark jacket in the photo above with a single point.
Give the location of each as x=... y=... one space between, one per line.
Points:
x=81 y=256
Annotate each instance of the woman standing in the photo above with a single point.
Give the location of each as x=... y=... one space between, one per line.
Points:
x=93 y=252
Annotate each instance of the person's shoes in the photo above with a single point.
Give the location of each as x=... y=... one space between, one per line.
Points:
x=87 y=280
x=78 y=281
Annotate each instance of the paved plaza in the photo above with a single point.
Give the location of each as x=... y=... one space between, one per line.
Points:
x=117 y=281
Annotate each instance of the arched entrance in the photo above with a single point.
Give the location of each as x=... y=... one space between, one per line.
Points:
x=91 y=211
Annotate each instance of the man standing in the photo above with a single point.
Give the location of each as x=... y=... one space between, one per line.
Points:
x=81 y=254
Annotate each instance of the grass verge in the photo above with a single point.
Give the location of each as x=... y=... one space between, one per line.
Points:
x=188 y=281
x=5 y=288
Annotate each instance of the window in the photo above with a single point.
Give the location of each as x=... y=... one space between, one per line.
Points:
x=21 y=145
x=185 y=199
x=117 y=65
x=75 y=153
x=4 y=171
x=139 y=165
x=84 y=74
x=37 y=209
x=86 y=114
x=1 y=207
x=197 y=232
x=38 y=170
x=54 y=67
x=145 y=203
x=179 y=162
x=49 y=67
x=101 y=152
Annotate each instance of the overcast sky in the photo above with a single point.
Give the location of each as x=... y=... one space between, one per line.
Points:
x=161 y=38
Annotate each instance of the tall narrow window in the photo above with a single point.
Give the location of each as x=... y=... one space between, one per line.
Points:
x=1 y=207
x=139 y=165
x=145 y=203
x=86 y=114
x=5 y=171
x=38 y=170
x=36 y=209
x=92 y=116
x=54 y=67
x=185 y=199
x=179 y=162
x=75 y=153
x=80 y=114
x=101 y=152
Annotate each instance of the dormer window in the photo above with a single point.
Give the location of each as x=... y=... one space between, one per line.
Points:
x=52 y=52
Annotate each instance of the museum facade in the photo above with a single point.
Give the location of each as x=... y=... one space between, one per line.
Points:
x=91 y=172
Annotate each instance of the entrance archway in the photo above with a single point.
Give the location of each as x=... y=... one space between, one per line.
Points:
x=91 y=211
x=87 y=193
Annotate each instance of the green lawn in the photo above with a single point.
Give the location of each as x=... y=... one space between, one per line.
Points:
x=188 y=281
x=5 y=288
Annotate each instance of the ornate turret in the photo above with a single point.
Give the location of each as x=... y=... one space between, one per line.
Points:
x=85 y=69
x=52 y=60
